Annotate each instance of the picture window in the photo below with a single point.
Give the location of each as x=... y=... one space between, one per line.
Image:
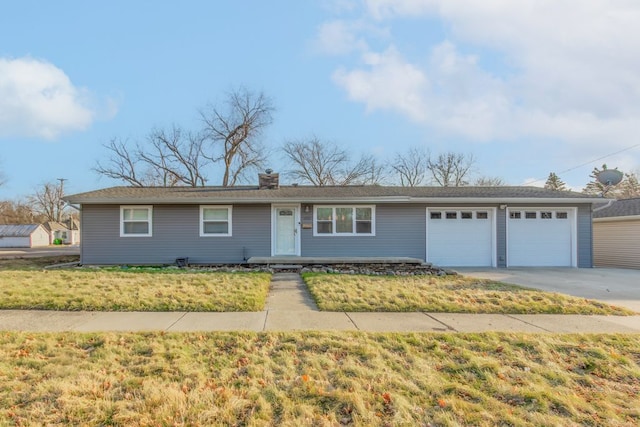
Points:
x=344 y=220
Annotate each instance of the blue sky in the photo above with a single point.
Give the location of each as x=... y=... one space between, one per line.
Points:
x=527 y=87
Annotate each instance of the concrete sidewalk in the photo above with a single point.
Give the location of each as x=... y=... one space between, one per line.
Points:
x=290 y=307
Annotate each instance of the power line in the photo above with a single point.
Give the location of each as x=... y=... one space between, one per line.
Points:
x=584 y=164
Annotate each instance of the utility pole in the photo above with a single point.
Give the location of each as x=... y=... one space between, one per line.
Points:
x=60 y=201
x=62 y=180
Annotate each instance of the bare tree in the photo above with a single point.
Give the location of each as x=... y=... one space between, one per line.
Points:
x=450 y=169
x=489 y=181
x=16 y=212
x=234 y=131
x=176 y=157
x=168 y=158
x=555 y=183
x=122 y=164
x=47 y=201
x=321 y=164
x=411 y=166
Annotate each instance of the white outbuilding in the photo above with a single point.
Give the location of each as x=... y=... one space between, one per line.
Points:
x=23 y=236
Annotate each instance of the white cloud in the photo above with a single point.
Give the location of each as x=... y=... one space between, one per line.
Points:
x=388 y=83
x=569 y=71
x=37 y=99
x=381 y=9
x=339 y=38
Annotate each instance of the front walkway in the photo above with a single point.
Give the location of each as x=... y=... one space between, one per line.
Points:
x=290 y=307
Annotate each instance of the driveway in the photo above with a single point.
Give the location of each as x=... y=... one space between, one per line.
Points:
x=614 y=286
x=8 y=253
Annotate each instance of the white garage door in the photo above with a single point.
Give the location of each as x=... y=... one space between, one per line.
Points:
x=460 y=237
x=15 y=242
x=540 y=238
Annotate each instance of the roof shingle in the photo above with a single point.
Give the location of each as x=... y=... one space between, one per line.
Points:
x=627 y=207
x=251 y=194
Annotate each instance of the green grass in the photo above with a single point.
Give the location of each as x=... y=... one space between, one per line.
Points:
x=144 y=290
x=324 y=379
x=453 y=294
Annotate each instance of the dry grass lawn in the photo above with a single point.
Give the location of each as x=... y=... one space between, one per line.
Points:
x=453 y=294
x=115 y=290
x=322 y=379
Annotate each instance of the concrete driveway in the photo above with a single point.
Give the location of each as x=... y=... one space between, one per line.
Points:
x=614 y=286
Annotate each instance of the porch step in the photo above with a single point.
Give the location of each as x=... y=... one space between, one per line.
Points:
x=296 y=267
x=332 y=260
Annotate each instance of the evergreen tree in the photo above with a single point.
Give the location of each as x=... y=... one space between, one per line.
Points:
x=555 y=183
x=629 y=188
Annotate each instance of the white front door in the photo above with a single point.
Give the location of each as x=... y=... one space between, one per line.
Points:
x=285 y=230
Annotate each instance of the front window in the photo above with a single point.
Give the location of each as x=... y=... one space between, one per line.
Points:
x=136 y=221
x=344 y=220
x=215 y=221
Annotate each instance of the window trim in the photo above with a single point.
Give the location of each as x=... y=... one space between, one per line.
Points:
x=354 y=221
x=229 y=221
x=149 y=220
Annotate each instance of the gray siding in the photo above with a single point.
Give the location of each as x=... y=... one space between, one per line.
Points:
x=400 y=231
x=501 y=237
x=585 y=237
x=175 y=235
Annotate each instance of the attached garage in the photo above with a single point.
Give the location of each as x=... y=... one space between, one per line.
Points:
x=461 y=237
x=541 y=237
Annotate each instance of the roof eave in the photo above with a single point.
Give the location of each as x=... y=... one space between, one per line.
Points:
x=617 y=218
x=389 y=199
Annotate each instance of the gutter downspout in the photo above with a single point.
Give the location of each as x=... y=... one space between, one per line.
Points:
x=599 y=208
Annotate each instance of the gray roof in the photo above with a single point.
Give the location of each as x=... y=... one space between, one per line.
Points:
x=310 y=194
x=54 y=226
x=628 y=207
x=17 y=230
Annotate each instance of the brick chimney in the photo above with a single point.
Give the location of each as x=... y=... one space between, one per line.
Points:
x=268 y=180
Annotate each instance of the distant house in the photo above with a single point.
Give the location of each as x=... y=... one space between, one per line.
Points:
x=447 y=226
x=68 y=232
x=616 y=235
x=23 y=236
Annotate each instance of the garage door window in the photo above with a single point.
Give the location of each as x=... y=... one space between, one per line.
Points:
x=530 y=215
x=562 y=215
x=482 y=215
x=452 y=215
x=466 y=215
x=546 y=215
x=436 y=215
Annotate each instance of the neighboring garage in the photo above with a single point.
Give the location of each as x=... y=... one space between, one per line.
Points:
x=541 y=237
x=23 y=236
x=461 y=237
x=616 y=235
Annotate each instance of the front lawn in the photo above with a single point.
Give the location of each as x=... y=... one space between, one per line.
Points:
x=145 y=290
x=452 y=294
x=323 y=379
